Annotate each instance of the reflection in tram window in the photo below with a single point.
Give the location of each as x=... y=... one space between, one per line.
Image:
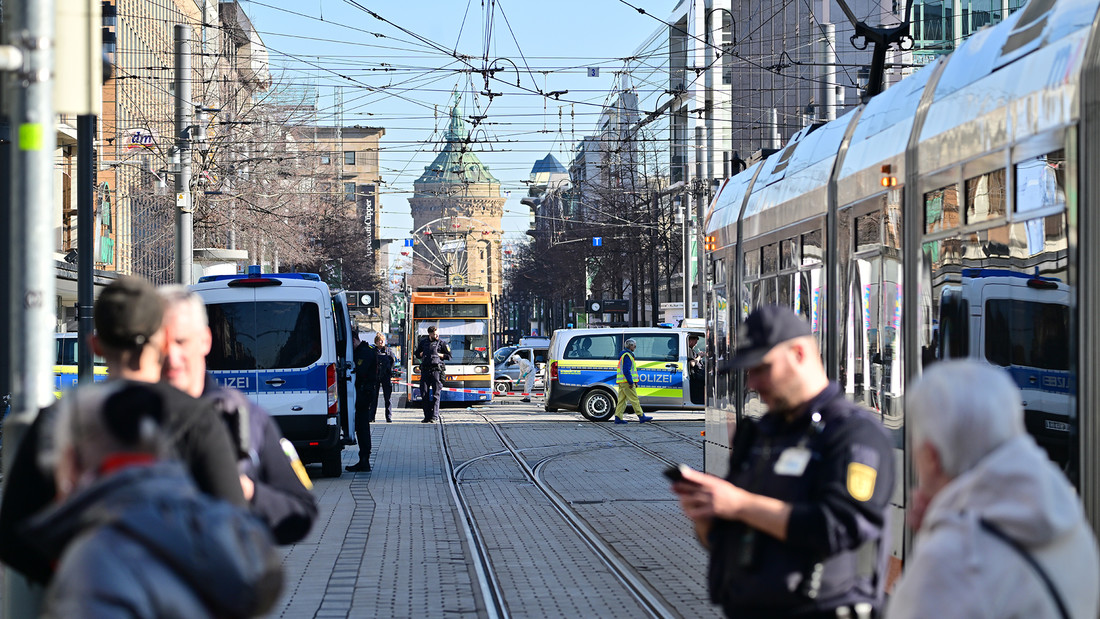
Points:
x=769 y=259
x=752 y=264
x=811 y=248
x=1041 y=182
x=941 y=209
x=787 y=291
x=788 y=254
x=985 y=197
x=1028 y=333
x=869 y=232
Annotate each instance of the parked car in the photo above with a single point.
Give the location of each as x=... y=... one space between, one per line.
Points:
x=506 y=375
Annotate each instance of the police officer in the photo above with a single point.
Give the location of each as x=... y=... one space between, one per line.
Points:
x=432 y=352
x=386 y=363
x=796 y=528
x=366 y=372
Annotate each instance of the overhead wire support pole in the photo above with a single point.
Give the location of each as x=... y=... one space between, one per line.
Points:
x=184 y=113
x=28 y=25
x=882 y=37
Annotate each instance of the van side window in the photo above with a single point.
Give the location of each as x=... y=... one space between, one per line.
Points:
x=592 y=347
x=657 y=347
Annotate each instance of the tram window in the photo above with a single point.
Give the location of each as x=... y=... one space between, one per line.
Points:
x=869 y=232
x=752 y=264
x=788 y=254
x=941 y=209
x=1041 y=182
x=719 y=272
x=985 y=197
x=803 y=296
x=811 y=248
x=767 y=292
x=787 y=293
x=769 y=258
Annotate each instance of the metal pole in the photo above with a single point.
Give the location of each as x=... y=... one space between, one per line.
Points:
x=29 y=26
x=85 y=216
x=654 y=293
x=685 y=207
x=184 y=111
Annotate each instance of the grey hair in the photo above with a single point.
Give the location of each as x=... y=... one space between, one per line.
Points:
x=630 y=342
x=178 y=295
x=966 y=409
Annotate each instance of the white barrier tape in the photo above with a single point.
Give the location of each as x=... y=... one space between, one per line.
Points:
x=457 y=390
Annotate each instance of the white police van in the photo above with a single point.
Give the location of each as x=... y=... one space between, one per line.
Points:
x=583 y=364
x=284 y=340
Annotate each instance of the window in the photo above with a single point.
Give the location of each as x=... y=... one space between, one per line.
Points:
x=1027 y=333
x=290 y=336
x=326 y=158
x=941 y=209
x=349 y=157
x=657 y=347
x=788 y=254
x=1041 y=182
x=592 y=347
x=811 y=248
x=868 y=232
x=985 y=197
x=349 y=192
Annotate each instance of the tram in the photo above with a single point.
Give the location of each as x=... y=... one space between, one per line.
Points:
x=461 y=316
x=946 y=217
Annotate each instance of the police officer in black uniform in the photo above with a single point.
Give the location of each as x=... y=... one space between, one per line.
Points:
x=432 y=352
x=366 y=371
x=797 y=527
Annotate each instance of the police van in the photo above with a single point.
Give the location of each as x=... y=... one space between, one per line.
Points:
x=583 y=365
x=284 y=339
x=65 y=368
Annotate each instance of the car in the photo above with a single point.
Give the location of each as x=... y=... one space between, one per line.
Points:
x=506 y=370
x=284 y=339
x=583 y=364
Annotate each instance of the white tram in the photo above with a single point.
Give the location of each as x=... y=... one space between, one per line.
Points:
x=946 y=217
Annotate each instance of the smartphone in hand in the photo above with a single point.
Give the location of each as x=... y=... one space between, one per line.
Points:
x=676 y=473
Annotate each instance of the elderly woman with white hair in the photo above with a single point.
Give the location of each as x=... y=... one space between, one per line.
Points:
x=1000 y=531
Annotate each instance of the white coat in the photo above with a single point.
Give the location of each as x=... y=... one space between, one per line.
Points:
x=527 y=374
x=960 y=570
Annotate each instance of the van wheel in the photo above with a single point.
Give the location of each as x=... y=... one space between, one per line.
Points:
x=598 y=405
x=330 y=464
x=502 y=387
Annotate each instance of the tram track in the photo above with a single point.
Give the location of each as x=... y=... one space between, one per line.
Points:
x=647 y=596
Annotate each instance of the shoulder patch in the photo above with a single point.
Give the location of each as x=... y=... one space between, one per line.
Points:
x=861 y=481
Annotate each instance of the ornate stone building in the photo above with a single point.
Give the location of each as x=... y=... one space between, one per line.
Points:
x=456 y=208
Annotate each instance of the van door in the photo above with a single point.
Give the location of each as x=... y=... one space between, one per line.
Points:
x=660 y=369
x=345 y=362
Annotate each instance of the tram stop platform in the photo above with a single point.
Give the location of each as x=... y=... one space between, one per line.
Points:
x=504 y=510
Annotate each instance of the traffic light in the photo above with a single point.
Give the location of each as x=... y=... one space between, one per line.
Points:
x=710 y=243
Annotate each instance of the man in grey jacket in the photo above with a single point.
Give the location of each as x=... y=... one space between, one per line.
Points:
x=1000 y=532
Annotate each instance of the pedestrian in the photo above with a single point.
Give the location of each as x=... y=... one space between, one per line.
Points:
x=386 y=364
x=626 y=379
x=526 y=374
x=366 y=399
x=131 y=338
x=432 y=352
x=135 y=536
x=796 y=528
x=272 y=476
x=1000 y=531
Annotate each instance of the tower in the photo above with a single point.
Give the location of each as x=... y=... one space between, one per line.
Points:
x=456 y=208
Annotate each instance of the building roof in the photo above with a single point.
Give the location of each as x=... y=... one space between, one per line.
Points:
x=456 y=163
x=548 y=165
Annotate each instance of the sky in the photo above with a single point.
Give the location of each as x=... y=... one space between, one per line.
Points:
x=400 y=74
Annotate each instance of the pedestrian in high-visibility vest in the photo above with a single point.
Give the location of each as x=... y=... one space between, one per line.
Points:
x=626 y=379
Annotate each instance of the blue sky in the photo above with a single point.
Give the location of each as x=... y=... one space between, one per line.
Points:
x=399 y=82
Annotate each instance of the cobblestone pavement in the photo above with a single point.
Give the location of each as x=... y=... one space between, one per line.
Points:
x=407 y=539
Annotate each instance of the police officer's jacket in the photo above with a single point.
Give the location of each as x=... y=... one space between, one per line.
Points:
x=366 y=365
x=432 y=353
x=834 y=465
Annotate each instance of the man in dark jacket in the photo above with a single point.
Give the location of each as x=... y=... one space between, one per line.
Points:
x=131 y=338
x=386 y=363
x=135 y=536
x=432 y=352
x=274 y=481
x=366 y=375
x=796 y=529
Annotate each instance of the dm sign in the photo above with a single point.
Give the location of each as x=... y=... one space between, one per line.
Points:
x=141 y=137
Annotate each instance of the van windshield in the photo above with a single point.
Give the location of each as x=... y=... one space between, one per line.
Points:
x=501 y=355
x=264 y=335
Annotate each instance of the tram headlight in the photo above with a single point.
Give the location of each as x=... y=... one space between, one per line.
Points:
x=481 y=369
x=416 y=370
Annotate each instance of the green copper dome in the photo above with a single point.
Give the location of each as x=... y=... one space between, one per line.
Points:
x=456 y=163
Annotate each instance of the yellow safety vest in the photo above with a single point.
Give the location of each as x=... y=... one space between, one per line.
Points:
x=619 y=378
